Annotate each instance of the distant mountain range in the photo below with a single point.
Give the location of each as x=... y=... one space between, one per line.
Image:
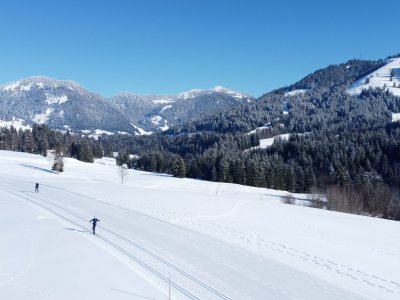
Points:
x=67 y=105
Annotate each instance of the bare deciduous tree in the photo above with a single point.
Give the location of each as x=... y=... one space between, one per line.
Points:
x=288 y=199
x=123 y=173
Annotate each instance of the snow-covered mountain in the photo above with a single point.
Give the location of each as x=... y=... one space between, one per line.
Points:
x=160 y=112
x=58 y=104
x=386 y=77
x=65 y=104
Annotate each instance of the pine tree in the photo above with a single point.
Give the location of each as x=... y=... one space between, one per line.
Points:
x=214 y=175
x=222 y=171
x=85 y=152
x=178 y=168
x=182 y=169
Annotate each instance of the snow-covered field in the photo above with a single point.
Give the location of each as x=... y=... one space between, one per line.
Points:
x=295 y=92
x=16 y=123
x=380 y=78
x=216 y=241
x=265 y=143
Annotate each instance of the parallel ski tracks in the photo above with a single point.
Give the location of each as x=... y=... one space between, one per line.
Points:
x=154 y=271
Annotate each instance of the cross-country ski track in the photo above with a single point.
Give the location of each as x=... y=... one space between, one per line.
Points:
x=199 y=252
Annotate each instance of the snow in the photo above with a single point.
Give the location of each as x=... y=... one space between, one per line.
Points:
x=265 y=143
x=50 y=99
x=163 y=101
x=216 y=240
x=156 y=120
x=266 y=126
x=285 y=108
x=189 y=94
x=221 y=89
x=42 y=118
x=218 y=89
x=395 y=117
x=379 y=78
x=11 y=86
x=165 y=127
x=141 y=131
x=165 y=107
x=26 y=87
x=97 y=132
x=295 y=92
x=16 y=123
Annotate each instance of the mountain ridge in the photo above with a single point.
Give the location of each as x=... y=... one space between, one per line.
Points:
x=61 y=103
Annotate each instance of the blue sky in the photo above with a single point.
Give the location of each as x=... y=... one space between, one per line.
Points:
x=168 y=46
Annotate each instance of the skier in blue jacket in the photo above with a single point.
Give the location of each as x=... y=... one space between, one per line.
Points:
x=94 y=221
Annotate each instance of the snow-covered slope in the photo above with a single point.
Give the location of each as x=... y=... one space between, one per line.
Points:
x=295 y=92
x=16 y=123
x=218 y=89
x=217 y=241
x=60 y=103
x=265 y=143
x=387 y=77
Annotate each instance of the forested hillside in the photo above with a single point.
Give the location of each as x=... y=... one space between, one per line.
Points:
x=345 y=146
x=338 y=140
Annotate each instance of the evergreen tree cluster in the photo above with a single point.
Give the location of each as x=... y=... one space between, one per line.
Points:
x=346 y=146
x=41 y=139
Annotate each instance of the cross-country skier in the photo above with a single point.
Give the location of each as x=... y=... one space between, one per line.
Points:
x=37 y=187
x=94 y=221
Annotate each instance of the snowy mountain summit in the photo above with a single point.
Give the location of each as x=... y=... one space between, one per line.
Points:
x=218 y=89
x=65 y=104
x=387 y=78
x=39 y=82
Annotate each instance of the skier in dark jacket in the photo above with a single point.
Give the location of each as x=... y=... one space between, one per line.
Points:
x=36 y=187
x=94 y=221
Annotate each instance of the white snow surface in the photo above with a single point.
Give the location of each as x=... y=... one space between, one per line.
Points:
x=218 y=89
x=285 y=108
x=43 y=117
x=156 y=120
x=295 y=92
x=165 y=127
x=266 y=126
x=265 y=143
x=39 y=82
x=395 y=117
x=16 y=123
x=140 y=131
x=216 y=240
x=11 y=86
x=166 y=107
x=95 y=134
x=380 y=78
x=164 y=101
x=51 y=99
